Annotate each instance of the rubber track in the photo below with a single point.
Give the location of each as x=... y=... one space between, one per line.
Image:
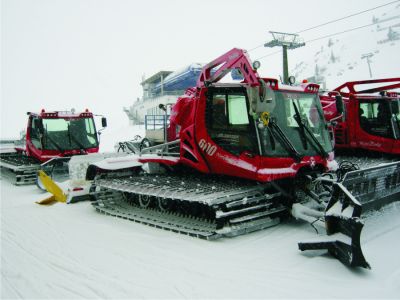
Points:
x=113 y=204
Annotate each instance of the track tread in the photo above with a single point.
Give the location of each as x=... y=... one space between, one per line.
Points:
x=252 y=210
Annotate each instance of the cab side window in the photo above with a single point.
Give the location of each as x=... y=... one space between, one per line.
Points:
x=35 y=133
x=238 y=113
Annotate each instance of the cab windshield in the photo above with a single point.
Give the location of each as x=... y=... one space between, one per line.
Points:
x=232 y=128
x=69 y=134
x=299 y=118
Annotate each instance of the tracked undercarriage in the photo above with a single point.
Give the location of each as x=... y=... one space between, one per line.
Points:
x=22 y=169
x=213 y=207
x=19 y=168
x=195 y=205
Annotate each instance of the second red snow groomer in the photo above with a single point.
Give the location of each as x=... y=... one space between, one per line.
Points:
x=371 y=118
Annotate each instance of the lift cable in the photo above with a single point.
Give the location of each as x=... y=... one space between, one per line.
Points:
x=346 y=17
x=333 y=21
x=326 y=36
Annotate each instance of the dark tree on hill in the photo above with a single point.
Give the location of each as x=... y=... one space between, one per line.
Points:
x=393 y=35
x=316 y=71
x=333 y=57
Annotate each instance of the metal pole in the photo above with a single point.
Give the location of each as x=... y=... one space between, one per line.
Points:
x=285 y=65
x=165 y=125
x=368 y=56
x=369 y=67
x=162 y=85
x=286 y=41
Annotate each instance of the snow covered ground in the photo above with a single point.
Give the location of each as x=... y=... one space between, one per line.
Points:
x=71 y=251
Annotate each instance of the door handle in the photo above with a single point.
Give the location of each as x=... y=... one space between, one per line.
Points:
x=248 y=154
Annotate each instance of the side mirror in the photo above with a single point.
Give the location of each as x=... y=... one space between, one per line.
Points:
x=395 y=108
x=162 y=107
x=104 y=121
x=339 y=104
x=333 y=123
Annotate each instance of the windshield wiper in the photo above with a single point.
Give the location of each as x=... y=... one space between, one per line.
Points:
x=304 y=128
x=271 y=138
x=81 y=146
x=276 y=130
x=59 y=148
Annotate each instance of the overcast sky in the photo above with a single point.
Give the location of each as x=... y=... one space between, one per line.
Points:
x=59 y=54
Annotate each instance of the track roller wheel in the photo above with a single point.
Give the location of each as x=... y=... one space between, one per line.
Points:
x=131 y=198
x=144 y=201
x=164 y=204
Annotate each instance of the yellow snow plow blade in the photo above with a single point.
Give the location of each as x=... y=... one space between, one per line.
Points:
x=53 y=188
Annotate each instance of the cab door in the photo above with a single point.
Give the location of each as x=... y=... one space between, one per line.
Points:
x=34 y=142
x=231 y=146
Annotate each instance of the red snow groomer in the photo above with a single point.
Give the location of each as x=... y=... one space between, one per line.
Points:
x=371 y=117
x=51 y=139
x=239 y=157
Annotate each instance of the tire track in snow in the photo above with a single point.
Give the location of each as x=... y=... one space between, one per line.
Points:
x=80 y=272
x=51 y=264
x=6 y=281
x=376 y=224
